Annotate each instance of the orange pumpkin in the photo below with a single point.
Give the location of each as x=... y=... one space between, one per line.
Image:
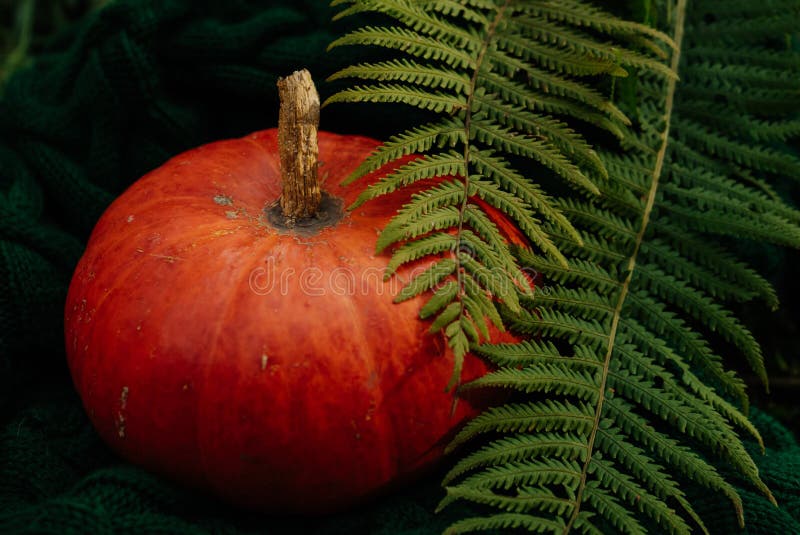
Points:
x=267 y=365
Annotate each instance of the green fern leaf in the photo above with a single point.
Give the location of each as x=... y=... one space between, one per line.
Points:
x=622 y=485
x=409 y=42
x=429 y=245
x=524 y=418
x=446 y=133
x=505 y=521
x=517 y=448
x=545 y=378
x=622 y=384
x=641 y=310
x=462 y=61
x=427 y=280
x=439 y=101
x=407 y=71
x=426 y=167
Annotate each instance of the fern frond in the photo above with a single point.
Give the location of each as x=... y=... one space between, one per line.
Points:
x=540 y=416
x=584 y=304
x=749 y=29
x=519 y=95
x=588 y=274
x=429 y=245
x=553 y=323
x=462 y=61
x=458 y=10
x=673 y=263
x=446 y=133
x=426 y=167
x=622 y=485
x=609 y=507
x=564 y=61
x=689 y=346
x=508 y=141
x=526 y=191
x=416 y=18
x=445 y=194
x=480 y=305
x=669 y=451
x=544 y=472
x=746 y=54
x=718 y=260
x=548 y=129
x=554 y=378
x=749 y=155
x=644 y=469
x=698 y=305
x=497 y=282
x=505 y=521
x=552 y=83
x=442 y=297
x=568 y=39
x=527 y=499
x=527 y=352
x=438 y=102
x=403 y=70
x=517 y=448
x=426 y=280
x=408 y=42
x=642 y=309
x=621 y=383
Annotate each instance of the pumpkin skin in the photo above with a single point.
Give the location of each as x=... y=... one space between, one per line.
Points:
x=222 y=353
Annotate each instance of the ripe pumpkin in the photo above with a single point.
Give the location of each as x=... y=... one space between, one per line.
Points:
x=267 y=365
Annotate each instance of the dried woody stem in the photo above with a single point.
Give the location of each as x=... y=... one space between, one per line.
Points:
x=298 y=121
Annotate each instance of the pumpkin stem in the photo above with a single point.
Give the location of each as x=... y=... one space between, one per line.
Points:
x=298 y=120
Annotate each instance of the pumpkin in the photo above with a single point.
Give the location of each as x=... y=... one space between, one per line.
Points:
x=265 y=362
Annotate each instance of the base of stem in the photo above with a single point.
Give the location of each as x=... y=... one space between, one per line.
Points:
x=329 y=213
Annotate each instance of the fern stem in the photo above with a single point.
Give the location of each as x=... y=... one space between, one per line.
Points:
x=680 y=17
x=490 y=31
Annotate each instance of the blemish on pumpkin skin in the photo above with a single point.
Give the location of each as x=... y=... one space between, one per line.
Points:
x=371 y=410
x=223 y=200
x=121 y=421
x=223 y=232
x=166 y=258
x=356 y=434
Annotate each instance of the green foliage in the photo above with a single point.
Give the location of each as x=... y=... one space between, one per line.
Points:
x=621 y=389
x=502 y=77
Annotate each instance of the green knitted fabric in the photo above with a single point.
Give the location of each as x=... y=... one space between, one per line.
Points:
x=138 y=82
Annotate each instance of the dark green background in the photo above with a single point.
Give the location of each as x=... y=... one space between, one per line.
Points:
x=108 y=100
